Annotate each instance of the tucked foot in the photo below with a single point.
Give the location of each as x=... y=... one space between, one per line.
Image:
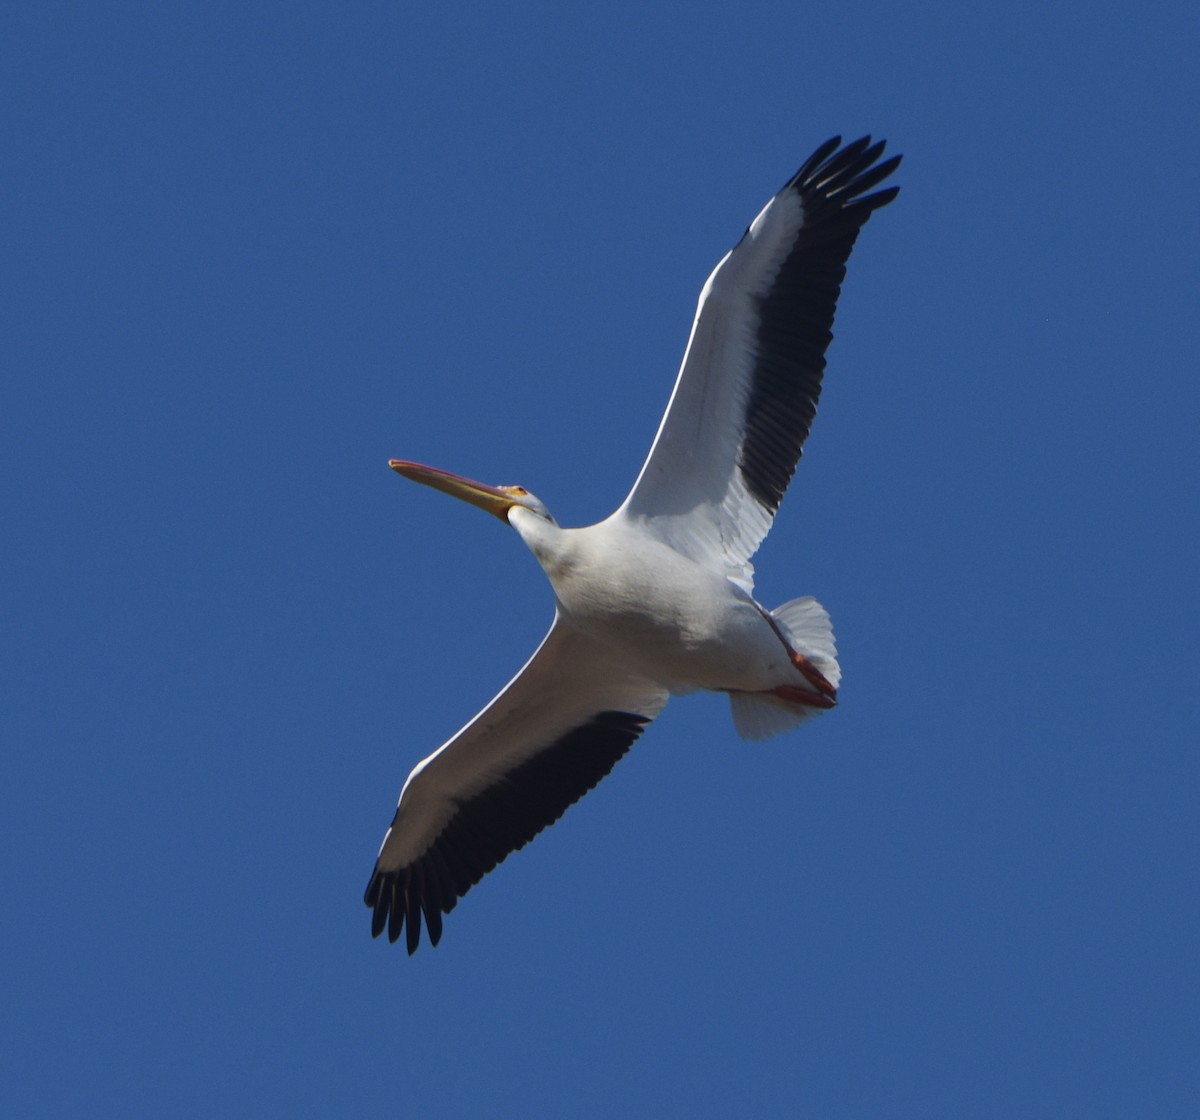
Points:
x=813 y=675
x=794 y=694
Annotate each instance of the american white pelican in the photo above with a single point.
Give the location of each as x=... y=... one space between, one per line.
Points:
x=656 y=599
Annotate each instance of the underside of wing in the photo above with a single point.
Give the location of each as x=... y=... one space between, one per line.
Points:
x=751 y=376
x=555 y=731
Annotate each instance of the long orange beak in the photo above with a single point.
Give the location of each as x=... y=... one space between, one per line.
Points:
x=497 y=500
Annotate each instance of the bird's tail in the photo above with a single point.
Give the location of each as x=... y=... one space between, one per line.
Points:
x=805 y=624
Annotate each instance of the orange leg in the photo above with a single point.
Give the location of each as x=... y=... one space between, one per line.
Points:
x=813 y=675
x=826 y=694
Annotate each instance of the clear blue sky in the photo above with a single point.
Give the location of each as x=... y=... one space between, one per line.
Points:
x=250 y=251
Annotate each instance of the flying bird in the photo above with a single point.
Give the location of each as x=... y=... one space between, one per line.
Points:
x=657 y=599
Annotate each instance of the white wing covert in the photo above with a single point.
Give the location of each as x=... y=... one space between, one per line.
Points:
x=748 y=387
x=549 y=737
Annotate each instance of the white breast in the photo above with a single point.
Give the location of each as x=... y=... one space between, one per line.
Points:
x=677 y=621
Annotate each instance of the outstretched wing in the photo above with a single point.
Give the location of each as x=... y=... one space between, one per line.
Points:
x=748 y=387
x=555 y=730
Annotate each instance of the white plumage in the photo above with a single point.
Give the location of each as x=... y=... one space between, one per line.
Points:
x=657 y=599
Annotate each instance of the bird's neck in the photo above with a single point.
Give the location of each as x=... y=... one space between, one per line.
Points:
x=546 y=540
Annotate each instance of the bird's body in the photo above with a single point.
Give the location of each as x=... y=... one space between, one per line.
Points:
x=679 y=622
x=656 y=599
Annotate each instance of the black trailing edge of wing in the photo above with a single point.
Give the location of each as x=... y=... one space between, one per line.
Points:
x=796 y=314
x=499 y=820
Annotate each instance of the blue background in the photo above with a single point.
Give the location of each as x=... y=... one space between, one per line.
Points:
x=250 y=251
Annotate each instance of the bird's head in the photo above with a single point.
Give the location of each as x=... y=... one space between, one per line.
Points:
x=499 y=501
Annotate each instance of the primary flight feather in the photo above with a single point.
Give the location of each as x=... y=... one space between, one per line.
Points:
x=656 y=599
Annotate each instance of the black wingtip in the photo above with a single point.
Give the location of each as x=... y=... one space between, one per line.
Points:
x=815 y=160
x=493 y=823
x=869 y=178
x=374 y=903
x=796 y=308
x=844 y=160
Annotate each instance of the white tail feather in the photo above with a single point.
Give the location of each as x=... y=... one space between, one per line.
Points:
x=806 y=626
x=759 y=715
